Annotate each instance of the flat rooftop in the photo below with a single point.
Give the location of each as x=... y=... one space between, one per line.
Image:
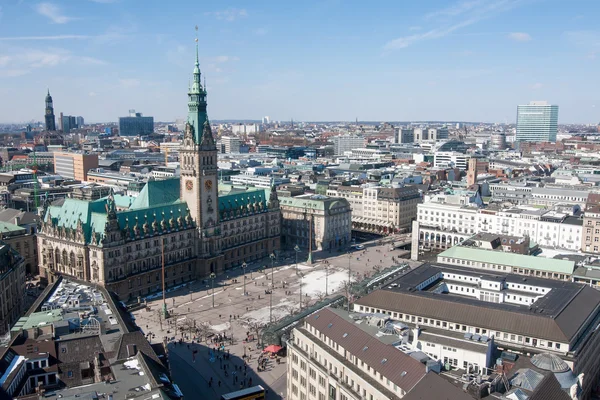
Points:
x=558 y=315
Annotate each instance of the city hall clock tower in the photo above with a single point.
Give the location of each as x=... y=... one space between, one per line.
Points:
x=198 y=159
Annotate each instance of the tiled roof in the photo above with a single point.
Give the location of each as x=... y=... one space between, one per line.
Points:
x=549 y=389
x=399 y=368
x=433 y=386
x=142 y=346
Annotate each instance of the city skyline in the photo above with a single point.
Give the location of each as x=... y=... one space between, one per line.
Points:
x=470 y=60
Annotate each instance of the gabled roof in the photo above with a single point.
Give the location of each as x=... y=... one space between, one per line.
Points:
x=549 y=389
x=433 y=386
x=165 y=191
x=92 y=215
x=399 y=368
x=137 y=339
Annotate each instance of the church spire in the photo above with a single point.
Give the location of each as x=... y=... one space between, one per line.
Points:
x=49 y=115
x=197 y=101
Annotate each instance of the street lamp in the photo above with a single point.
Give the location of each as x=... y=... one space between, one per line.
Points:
x=213 y=276
x=349 y=279
x=244 y=265
x=297 y=249
x=326 y=278
x=301 y=275
x=272 y=256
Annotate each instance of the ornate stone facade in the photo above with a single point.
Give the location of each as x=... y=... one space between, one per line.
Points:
x=198 y=226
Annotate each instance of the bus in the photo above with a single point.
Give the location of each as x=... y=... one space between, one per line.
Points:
x=252 y=393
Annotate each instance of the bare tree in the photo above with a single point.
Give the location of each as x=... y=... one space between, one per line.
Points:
x=255 y=327
x=320 y=296
x=189 y=326
x=203 y=330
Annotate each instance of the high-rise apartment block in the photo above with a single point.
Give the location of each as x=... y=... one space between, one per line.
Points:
x=68 y=123
x=135 y=124
x=74 y=165
x=404 y=135
x=341 y=144
x=231 y=144
x=430 y=134
x=537 y=122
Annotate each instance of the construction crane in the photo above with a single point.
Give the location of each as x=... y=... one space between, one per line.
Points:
x=35 y=180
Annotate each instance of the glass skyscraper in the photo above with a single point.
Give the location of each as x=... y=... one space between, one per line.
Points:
x=135 y=125
x=537 y=122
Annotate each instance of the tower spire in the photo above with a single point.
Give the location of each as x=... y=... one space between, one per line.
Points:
x=197 y=61
x=197 y=100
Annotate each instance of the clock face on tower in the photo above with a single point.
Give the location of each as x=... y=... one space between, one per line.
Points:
x=208 y=184
x=189 y=185
x=48 y=112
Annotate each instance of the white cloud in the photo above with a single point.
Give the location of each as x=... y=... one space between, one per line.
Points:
x=455 y=9
x=51 y=37
x=129 y=83
x=536 y=86
x=53 y=12
x=92 y=94
x=520 y=36
x=448 y=20
x=229 y=15
x=21 y=61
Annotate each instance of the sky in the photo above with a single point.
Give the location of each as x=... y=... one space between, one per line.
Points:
x=310 y=60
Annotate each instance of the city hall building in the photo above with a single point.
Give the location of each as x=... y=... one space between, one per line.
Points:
x=195 y=224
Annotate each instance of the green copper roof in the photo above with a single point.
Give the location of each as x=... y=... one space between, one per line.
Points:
x=316 y=202
x=155 y=218
x=123 y=201
x=41 y=318
x=164 y=191
x=92 y=215
x=510 y=259
x=197 y=103
x=8 y=229
x=234 y=199
x=162 y=198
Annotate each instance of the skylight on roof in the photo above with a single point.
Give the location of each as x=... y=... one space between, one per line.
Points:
x=384 y=361
x=317 y=316
x=365 y=348
x=345 y=335
x=330 y=325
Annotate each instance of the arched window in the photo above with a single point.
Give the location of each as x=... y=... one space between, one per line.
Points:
x=65 y=258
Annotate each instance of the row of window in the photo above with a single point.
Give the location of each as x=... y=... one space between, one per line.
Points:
x=464 y=328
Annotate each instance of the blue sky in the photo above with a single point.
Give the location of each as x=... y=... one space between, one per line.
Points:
x=379 y=60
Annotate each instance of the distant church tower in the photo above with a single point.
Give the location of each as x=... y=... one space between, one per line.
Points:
x=50 y=120
x=198 y=157
x=472 y=172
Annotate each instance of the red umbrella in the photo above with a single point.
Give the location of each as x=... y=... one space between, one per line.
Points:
x=272 y=349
